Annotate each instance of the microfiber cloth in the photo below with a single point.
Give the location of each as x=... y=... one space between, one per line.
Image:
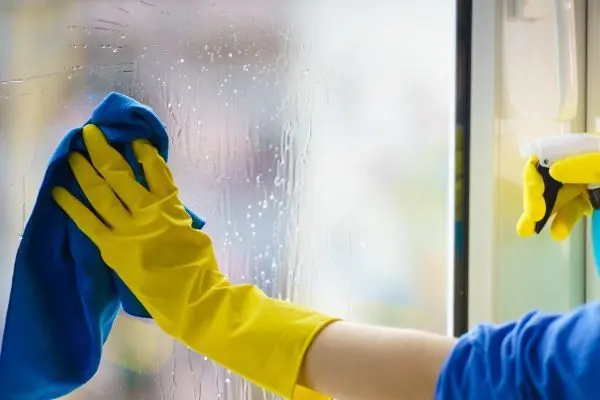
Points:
x=64 y=298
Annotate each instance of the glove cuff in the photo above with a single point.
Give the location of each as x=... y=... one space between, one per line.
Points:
x=260 y=338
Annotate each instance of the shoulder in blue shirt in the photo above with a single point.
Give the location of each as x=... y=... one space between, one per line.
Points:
x=541 y=356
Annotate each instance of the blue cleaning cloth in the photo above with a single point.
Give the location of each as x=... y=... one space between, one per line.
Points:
x=64 y=299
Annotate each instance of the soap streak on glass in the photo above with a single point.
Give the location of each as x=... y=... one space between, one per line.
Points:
x=311 y=135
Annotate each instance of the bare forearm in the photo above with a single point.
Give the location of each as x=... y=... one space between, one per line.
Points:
x=351 y=361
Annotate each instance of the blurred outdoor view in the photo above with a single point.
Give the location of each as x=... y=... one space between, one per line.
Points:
x=313 y=136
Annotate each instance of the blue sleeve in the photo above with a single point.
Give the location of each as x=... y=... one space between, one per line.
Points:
x=542 y=356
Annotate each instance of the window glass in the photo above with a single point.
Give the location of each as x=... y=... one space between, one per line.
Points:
x=313 y=136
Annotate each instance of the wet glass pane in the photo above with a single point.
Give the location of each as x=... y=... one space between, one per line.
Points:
x=314 y=137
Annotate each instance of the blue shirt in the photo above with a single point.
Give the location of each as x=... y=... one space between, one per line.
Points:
x=541 y=356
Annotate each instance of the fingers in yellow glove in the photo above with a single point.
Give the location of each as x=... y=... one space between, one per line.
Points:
x=581 y=169
x=159 y=178
x=571 y=204
x=576 y=171
x=114 y=169
x=171 y=268
x=568 y=215
x=85 y=220
x=111 y=182
x=534 y=205
x=97 y=191
x=533 y=196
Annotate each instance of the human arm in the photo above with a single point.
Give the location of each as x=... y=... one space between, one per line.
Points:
x=145 y=235
x=540 y=356
x=354 y=362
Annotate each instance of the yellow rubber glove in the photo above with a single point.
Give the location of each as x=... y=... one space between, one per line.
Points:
x=147 y=238
x=578 y=170
x=572 y=202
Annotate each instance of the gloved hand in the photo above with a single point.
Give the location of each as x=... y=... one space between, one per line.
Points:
x=147 y=238
x=580 y=170
x=572 y=202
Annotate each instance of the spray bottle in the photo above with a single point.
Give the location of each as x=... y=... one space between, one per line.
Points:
x=550 y=150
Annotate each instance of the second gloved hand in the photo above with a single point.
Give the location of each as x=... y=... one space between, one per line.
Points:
x=571 y=204
x=580 y=170
x=146 y=236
